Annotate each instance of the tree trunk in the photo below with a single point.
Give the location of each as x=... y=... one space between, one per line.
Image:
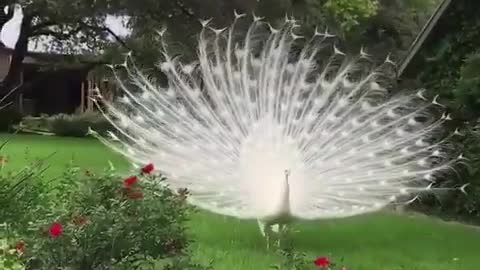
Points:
x=12 y=80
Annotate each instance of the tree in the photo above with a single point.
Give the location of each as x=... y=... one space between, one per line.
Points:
x=382 y=26
x=182 y=17
x=182 y=20
x=70 y=23
x=373 y=23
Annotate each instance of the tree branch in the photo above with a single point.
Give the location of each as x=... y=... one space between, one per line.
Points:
x=44 y=24
x=184 y=9
x=38 y=30
x=108 y=30
x=117 y=38
x=57 y=34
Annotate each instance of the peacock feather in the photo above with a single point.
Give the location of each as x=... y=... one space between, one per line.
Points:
x=256 y=128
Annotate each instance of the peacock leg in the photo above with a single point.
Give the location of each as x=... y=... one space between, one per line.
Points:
x=268 y=241
x=261 y=225
x=281 y=234
x=264 y=230
x=268 y=235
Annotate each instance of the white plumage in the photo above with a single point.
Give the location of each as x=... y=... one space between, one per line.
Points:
x=256 y=131
x=11 y=29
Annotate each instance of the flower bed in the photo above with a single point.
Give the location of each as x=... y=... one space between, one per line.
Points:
x=90 y=221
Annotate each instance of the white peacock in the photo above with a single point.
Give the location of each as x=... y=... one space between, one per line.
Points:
x=255 y=131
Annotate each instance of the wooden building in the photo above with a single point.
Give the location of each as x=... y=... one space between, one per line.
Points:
x=56 y=83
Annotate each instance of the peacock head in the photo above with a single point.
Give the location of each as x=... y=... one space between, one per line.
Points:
x=287 y=173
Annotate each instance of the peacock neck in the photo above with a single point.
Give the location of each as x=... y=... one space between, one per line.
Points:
x=285 y=193
x=17 y=11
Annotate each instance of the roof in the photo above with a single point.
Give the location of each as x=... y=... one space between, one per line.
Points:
x=423 y=35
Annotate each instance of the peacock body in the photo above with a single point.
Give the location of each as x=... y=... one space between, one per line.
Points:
x=257 y=130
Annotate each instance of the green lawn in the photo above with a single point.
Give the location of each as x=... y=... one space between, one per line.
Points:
x=376 y=242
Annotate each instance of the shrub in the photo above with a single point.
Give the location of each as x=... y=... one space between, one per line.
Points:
x=23 y=194
x=89 y=221
x=77 y=125
x=7 y=260
x=22 y=199
x=35 y=124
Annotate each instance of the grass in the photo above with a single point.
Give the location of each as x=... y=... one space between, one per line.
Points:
x=382 y=241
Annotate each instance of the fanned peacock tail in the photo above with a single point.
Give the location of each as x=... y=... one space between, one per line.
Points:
x=228 y=126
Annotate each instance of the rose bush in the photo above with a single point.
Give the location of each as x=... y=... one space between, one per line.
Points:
x=92 y=221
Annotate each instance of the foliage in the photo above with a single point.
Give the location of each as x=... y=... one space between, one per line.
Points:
x=443 y=60
x=394 y=26
x=34 y=124
x=8 y=258
x=22 y=194
x=181 y=18
x=293 y=260
x=467 y=92
x=449 y=66
x=91 y=221
x=350 y=13
x=67 y=24
x=76 y=125
x=106 y=226
x=360 y=22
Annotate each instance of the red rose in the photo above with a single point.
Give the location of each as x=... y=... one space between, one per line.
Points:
x=20 y=245
x=322 y=262
x=129 y=181
x=148 y=168
x=55 y=230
